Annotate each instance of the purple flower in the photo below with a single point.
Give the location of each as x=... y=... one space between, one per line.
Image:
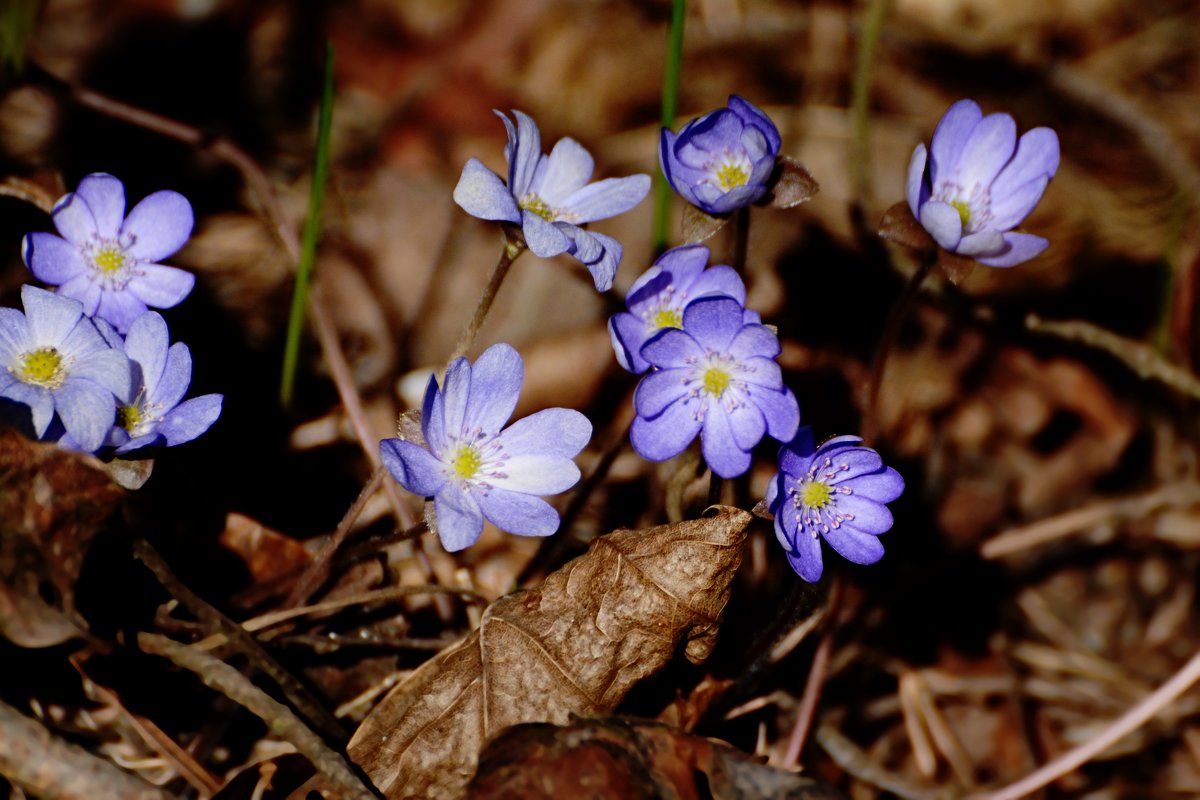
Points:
x=716 y=377
x=836 y=491
x=107 y=261
x=722 y=161
x=53 y=359
x=657 y=299
x=549 y=197
x=473 y=467
x=977 y=182
x=150 y=412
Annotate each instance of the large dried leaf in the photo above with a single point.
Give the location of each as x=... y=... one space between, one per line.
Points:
x=575 y=645
x=615 y=758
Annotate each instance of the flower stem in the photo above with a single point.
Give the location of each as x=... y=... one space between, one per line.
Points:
x=741 y=239
x=512 y=249
x=312 y=228
x=670 y=106
x=900 y=312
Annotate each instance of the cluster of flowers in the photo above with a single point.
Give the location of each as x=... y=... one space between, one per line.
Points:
x=708 y=361
x=94 y=365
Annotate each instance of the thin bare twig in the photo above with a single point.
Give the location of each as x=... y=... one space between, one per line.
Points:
x=46 y=766
x=223 y=678
x=816 y=678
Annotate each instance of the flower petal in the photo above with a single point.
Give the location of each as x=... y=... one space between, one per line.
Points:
x=1037 y=155
x=14 y=335
x=761 y=371
x=413 y=467
x=754 y=341
x=719 y=279
x=852 y=545
x=158 y=226
x=108 y=369
x=175 y=379
x=456 y=391
x=1020 y=248
x=753 y=115
x=713 y=321
x=982 y=243
x=51 y=258
x=120 y=308
x=459 y=520
x=523 y=152
x=190 y=419
x=950 y=137
x=671 y=347
x=718 y=445
x=87 y=411
x=537 y=474
x=606 y=198
x=433 y=417
x=943 y=223
x=864 y=514
x=683 y=265
x=85 y=290
x=989 y=147
x=517 y=513
x=659 y=389
x=916 y=189
x=50 y=316
x=551 y=431
x=628 y=334
x=805 y=558
x=496 y=379
x=668 y=434
x=747 y=425
x=565 y=171
x=543 y=238
x=796 y=456
x=73 y=219
x=147 y=344
x=781 y=411
x=1011 y=209
x=882 y=487
x=105 y=198
x=38 y=398
x=680 y=176
x=161 y=286
x=482 y=194
x=603 y=267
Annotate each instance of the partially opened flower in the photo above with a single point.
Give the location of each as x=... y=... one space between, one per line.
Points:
x=473 y=467
x=716 y=377
x=977 y=182
x=153 y=411
x=109 y=261
x=549 y=197
x=836 y=492
x=657 y=299
x=53 y=359
x=723 y=160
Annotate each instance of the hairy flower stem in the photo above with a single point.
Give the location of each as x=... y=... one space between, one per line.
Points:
x=741 y=239
x=512 y=249
x=900 y=311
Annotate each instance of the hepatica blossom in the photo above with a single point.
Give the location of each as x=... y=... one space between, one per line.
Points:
x=109 y=261
x=723 y=160
x=836 y=492
x=977 y=182
x=152 y=410
x=473 y=467
x=657 y=299
x=53 y=359
x=716 y=377
x=549 y=197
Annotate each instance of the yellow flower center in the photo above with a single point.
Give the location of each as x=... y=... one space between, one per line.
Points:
x=964 y=211
x=128 y=418
x=42 y=367
x=730 y=176
x=716 y=381
x=109 y=259
x=466 y=462
x=536 y=205
x=668 y=318
x=816 y=494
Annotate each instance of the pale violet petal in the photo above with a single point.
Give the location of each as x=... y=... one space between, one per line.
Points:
x=147 y=344
x=120 y=308
x=565 y=171
x=989 y=147
x=74 y=219
x=1020 y=247
x=14 y=335
x=172 y=384
x=671 y=348
x=717 y=444
x=1037 y=155
x=87 y=411
x=161 y=286
x=537 y=474
x=523 y=162
x=190 y=419
x=1010 y=209
x=981 y=243
x=456 y=390
x=543 y=238
x=559 y=432
x=517 y=513
x=39 y=400
x=606 y=198
x=659 y=389
x=51 y=317
x=413 y=467
x=496 y=379
x=51 y=258
x=855 y=546
x=943 y=223
x=158 y=226
x=713 y=321
x=668 y=434
x=949 y=138
x=108 y=369
x=459 y=520
x=915 y=189
x=482 y=194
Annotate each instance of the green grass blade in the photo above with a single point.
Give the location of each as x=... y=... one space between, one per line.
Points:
x=312 y=229
x=670 y=106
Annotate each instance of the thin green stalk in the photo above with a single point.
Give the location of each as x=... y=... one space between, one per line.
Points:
x=868 y=43
x=670 y=106
x=312 y=229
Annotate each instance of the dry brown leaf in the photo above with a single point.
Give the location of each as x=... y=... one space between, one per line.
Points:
x=698 y=226
x=793 y=184
x=575 y=645
x=622 y=759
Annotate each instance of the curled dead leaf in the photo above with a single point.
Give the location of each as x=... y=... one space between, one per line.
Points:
x=900 y=226
x=699 y=226
x=793 y=184
x=575 y=645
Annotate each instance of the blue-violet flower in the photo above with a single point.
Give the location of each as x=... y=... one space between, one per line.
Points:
x=109 y=261
x=977 y=182
x=657 y=299
x=723 y=160
x=54 y=359
x=474 y=467
x=716 y=377
x=549 y=197
x=837 y=492
x=151 y=412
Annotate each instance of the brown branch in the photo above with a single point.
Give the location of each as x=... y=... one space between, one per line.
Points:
x=37 y=761
x=221 y=677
